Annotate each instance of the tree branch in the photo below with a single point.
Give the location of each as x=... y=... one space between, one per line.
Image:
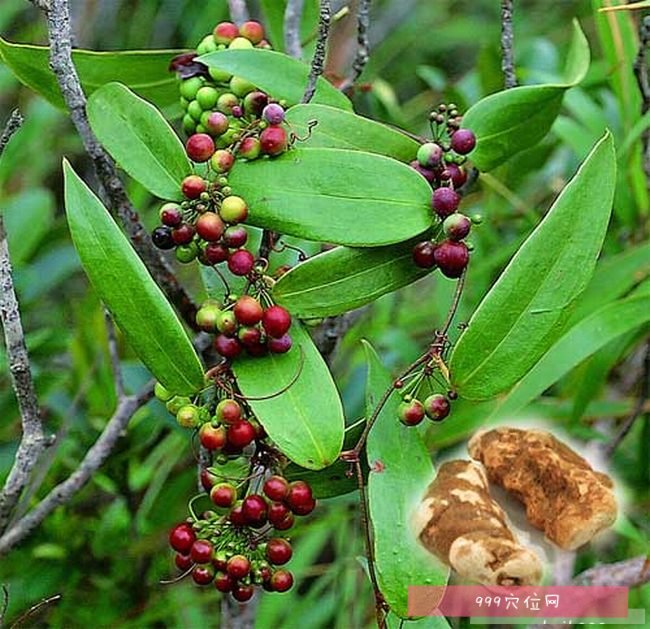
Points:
x=60 y=37
x=363 y=44
x=318 y=60
x=507 y=45
x=94 y=459
x=328 y=335
x=643 y=80
x=238 y=11
x=292 y=19
x=33 y=439
x=627 y=573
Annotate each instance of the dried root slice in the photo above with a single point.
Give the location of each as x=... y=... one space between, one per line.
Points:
x=462 y=525
x=563 y=495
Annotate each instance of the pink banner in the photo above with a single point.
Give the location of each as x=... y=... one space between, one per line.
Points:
x=571 y=601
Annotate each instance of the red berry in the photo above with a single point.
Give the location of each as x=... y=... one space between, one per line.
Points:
x=236 y=515
x=250 y=148
x=457 y=226
x=208 y=479
x=423 y=254
x=228 y=347
x=281 y=345
x=235 y=236
x=305 y=508
x=223 y=582
x=281 y=581
x=223 y=495
x=242 y=593
x=203 y=575
x=273 y=140
x=254 y=103
x=171 y=215
x=183 y=234
x=225 y=32
x=222 y=161
x=253 y=31
x=257 y=349
x=277 y=512
x=299 y=493
x=217 y=123
x=248 y=310
x=278 y=551
x=183 y=562
x=241 y=262
x=193 y=186
x=427 y=173
x=276 y=321
x=210 y=226
x=430 y=154
x=445 y=201
x=212 y=437
x=255 y=510
x=457 y=174
x=250 y=338
x=228 y=411
x=437 y=407
x=285 y=524
x=452 y=258
x=238 y=566
x=201 y=551
x=241 y=434
x=215 y=253
x=411 y=413
x=463 y=141
x=200 y=147
x=276 y=488
x=182 y=537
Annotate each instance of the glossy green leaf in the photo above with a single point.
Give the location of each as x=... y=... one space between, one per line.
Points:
x=580 y=342
x=122 y=281
x=138 y=137
x=145 y=71
x=400 y=471
x=341 y=129
x=333 y=195
x=306 y=421
x=276 y=73
x=508 y=122
x=345 y=278
x=525 y=311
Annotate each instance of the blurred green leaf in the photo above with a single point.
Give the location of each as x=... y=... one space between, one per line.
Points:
x=138 y=137
x=145 y=71
x=122 y=281
x=337 y=128
x=400 y=470
x=524 y=312
x=277 y=74
x=334 y=195
x=306 y=421
x=508 y=122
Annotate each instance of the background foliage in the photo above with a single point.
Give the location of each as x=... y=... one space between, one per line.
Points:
x=106 y=552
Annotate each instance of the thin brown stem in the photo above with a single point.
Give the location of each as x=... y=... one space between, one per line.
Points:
x=507 y=45
x=363 y=44
x=318 y=60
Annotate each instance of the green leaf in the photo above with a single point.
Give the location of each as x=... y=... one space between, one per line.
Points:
x=138 y=137
x=400 y=471
x=122 y=281
x=145 y=71
x=333 y=195
x=341 y=129
x=508 y=122
x=580 y=342
x=343 y=279
x=276 y=73
x=306 y=421
x=524 y=312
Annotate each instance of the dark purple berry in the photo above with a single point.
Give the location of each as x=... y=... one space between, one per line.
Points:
x=411 y=413
x=273 y=114
x=280 y=345
x=463 y=141
x=427 y=173
x=452 y=258
x=445 y=201
x=241 y=262
x=423 y=254
x=437 y=407
x=457 y=226
x=429 y=155
x=162 y=237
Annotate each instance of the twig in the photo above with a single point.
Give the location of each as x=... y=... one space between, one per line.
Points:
x=643 y=80
x=60 y=36
x=34 y=609
x=13 y=124
x=114 y=354
x=318 y=60
x=328 y=335
x=292 y=19
x=5 y=603
x=94 y=459
x=238 y=11
x=363 y=45
x=627 y=573
x=507 y=45
x=33 y=441
x=639 y=407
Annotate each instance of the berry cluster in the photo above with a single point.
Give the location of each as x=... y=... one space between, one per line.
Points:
x=441 y=163
x=235 y=548
x=244 y=324
x=226 y=118
x=411 y=411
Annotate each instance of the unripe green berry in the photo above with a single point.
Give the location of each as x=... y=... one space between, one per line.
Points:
x=183 y=102
x=188 y=416
x=227 y=322
x=207 y=97
x=240 y=43
x=189 y=87
x=219 y=76
x=176 y=403
x=241 y=87
x=233 y=210
x=186 y=253
x=226 y=102
x=207 y=45
x=189 y=124
x=206 y=318
x=195 y=110
x=162 y=393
